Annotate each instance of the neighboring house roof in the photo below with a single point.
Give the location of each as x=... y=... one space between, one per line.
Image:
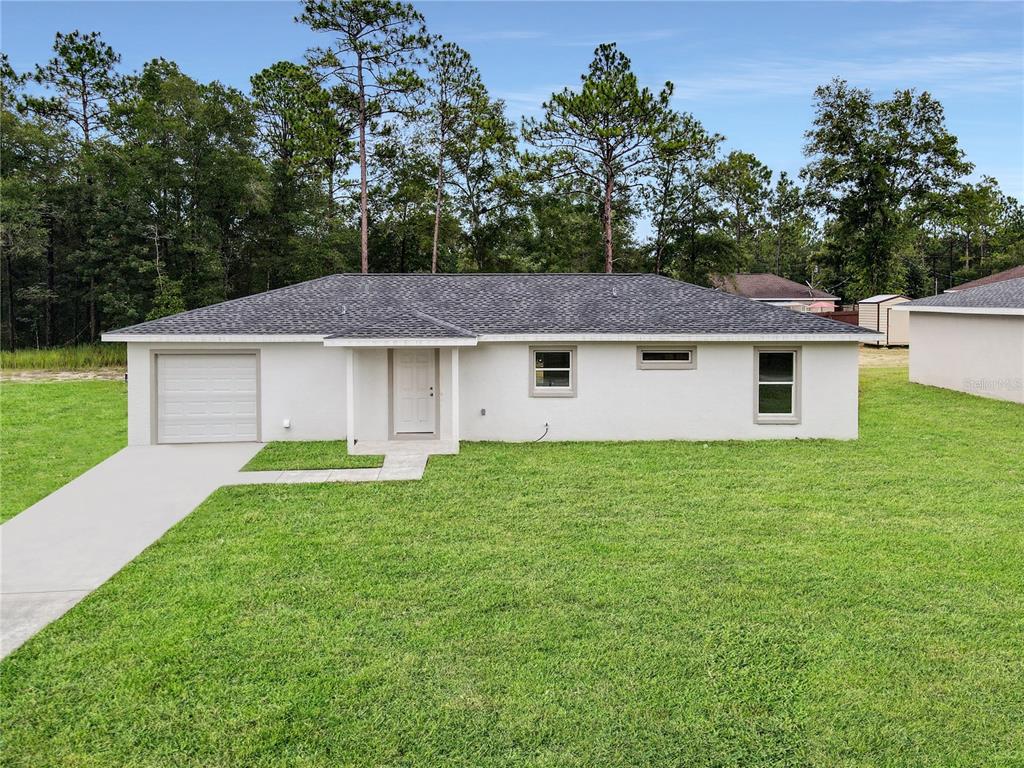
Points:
x=472 y=305
x=765 y=286
x=1012 y=273
x=1005 y=295
x=882 y=297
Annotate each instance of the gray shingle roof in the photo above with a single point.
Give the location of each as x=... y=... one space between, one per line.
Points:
x=1007 y=274
x=1007 y=294
x=466 y=305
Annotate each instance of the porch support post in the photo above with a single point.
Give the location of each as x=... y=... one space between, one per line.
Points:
x=350 y=398
x=455 y=395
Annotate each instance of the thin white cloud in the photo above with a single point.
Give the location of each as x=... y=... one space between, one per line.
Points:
x=527 y=103
x=622 y=39
x=981 y=71
x=906 y=37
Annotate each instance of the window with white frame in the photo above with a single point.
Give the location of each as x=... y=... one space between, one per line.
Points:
x=777 y=396
x=553 y=371
x=655 y=358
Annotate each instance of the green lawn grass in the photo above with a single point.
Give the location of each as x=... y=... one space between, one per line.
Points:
x=82 y=357
x=792 y=603
x=52 y=432
x=315 y=454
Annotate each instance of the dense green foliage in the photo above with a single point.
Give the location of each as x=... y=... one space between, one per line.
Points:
x=789 y=603
x=51 y=432
x=309 y=454
x=127 y=196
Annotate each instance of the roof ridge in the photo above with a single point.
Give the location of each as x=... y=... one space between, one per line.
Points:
x=995 y=277
x=492 y=274
x=1003 y=294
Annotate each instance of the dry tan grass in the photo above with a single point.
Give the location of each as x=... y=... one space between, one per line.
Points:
x=882 y=357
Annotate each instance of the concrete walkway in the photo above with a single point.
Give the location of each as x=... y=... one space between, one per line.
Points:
x=403 y=460
x=61 y=548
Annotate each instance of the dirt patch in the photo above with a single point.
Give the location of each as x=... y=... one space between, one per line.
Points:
x=883 y=357
x=100 y=374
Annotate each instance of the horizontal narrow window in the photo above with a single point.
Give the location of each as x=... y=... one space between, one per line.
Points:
x=654 y=358
x=660 y=356
x=777 y=386
x=552 y=372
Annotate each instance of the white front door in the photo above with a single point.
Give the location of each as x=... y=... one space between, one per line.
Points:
x=414 y=398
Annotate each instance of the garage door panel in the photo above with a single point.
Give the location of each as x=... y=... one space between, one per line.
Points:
x=207 y=398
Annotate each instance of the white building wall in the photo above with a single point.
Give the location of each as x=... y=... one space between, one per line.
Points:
x=371 y=401
x=980 y=354
x=615 y=401
x=302 y=382
x=305 y=383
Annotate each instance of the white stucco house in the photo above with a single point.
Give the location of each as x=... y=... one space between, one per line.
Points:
x=971 y=340
x=507 y=357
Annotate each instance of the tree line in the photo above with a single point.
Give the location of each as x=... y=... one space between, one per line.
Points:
x=128 y=196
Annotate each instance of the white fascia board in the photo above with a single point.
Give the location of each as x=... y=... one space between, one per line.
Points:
x=648 y=338
x=964 y=310
x=402 y=342
x=211 y=338
x=795 y=298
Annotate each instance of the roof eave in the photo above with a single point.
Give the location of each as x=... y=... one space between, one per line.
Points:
x=953 y=310
x=154 y=338
x=768 y=338
x=402 y=341
x=794 y=298
x=218 y=338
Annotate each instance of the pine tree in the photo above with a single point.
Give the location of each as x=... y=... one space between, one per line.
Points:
x=377 y=45
x=603 y=133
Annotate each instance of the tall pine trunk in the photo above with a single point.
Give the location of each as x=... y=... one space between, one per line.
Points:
x=50 y=282
x=609 y=255
x=92 y=309
x=12 y=334
x=437 y=212
x=364 y=222
x=778 y=249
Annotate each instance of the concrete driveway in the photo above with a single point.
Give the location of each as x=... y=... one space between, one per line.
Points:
x=60 y=549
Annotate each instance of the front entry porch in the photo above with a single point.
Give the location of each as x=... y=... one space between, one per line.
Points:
x=404 y=447
x=402 y=400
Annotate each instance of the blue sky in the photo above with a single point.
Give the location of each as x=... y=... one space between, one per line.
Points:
x=747 y=70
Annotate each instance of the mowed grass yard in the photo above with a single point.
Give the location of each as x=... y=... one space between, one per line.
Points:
x=726 y=604
x=51 y=432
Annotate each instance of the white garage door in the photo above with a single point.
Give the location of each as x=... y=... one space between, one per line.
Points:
x=206 y=398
